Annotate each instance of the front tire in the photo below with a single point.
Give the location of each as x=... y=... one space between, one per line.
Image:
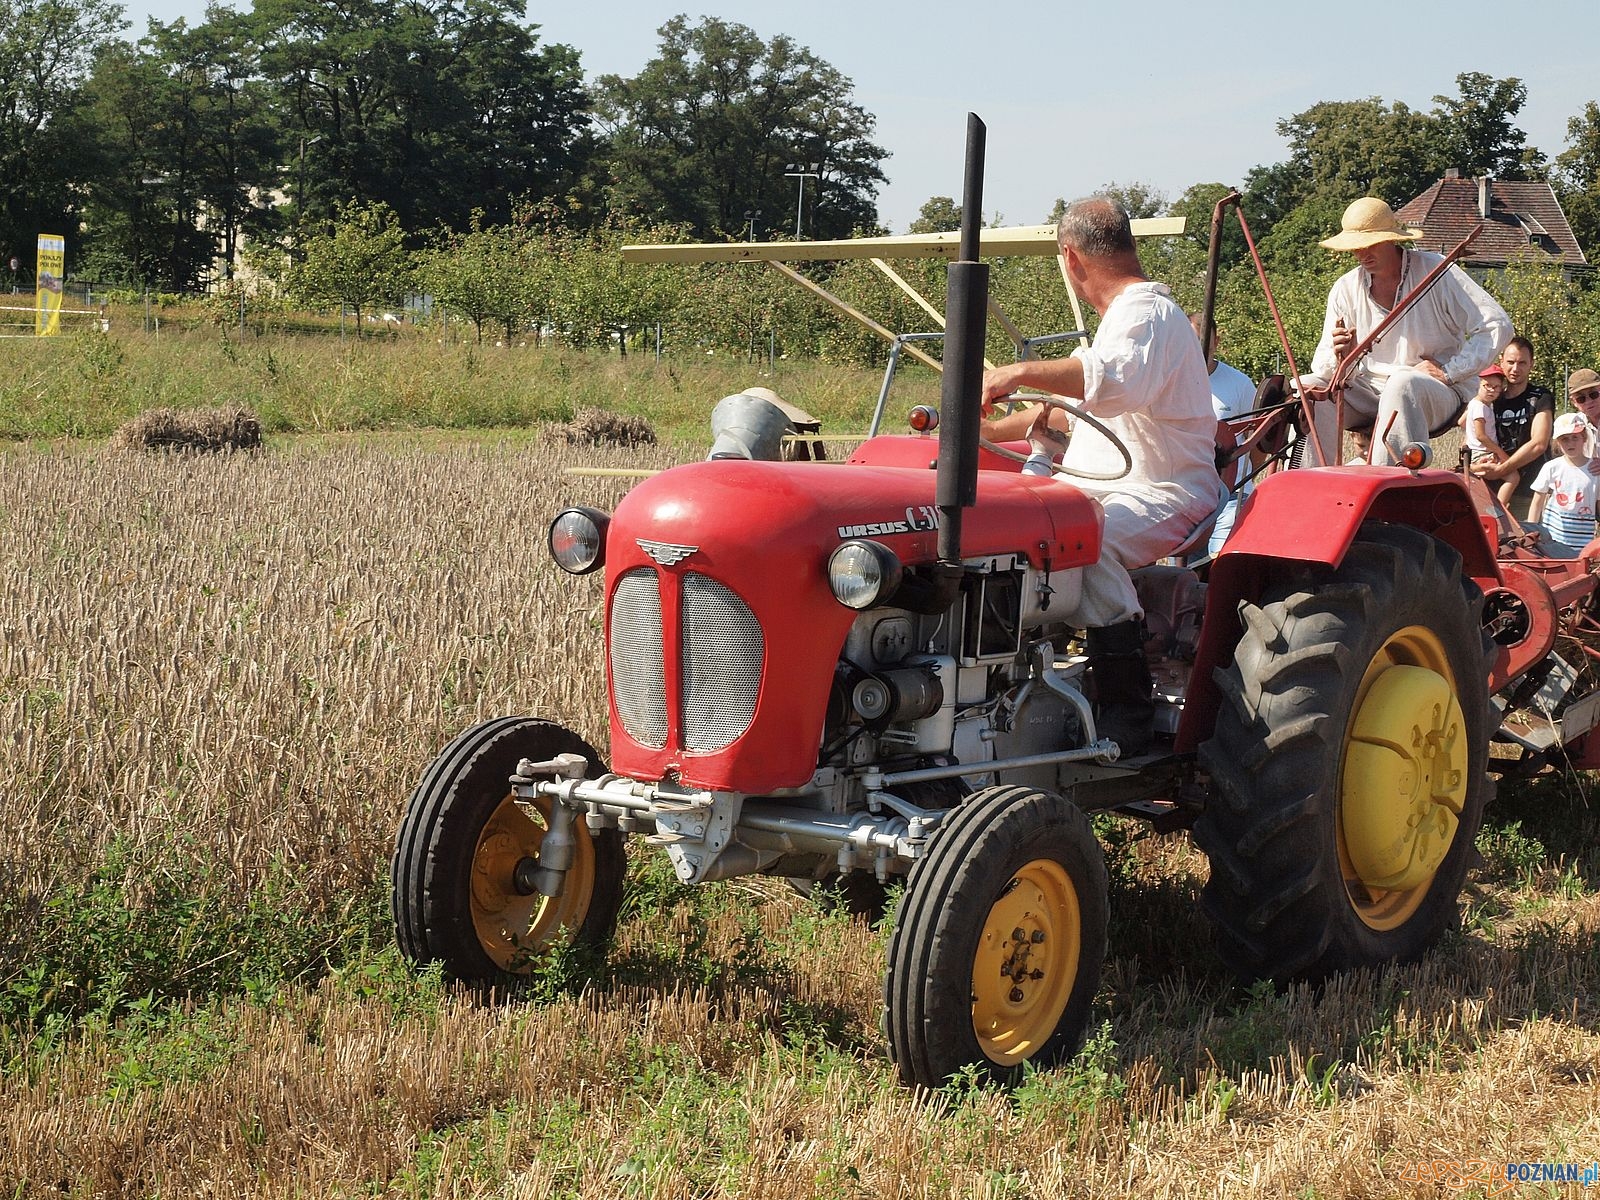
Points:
x=456 y=896
x=996 y=952
x=1348 y=763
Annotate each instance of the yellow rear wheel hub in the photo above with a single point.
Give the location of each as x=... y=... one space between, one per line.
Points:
x=1403 y=781
x=1026 y=962
x=514 y=928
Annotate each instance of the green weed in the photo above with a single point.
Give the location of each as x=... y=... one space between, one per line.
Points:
x=157 y=925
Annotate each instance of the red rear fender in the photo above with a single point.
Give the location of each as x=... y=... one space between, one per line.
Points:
x=1311 y=516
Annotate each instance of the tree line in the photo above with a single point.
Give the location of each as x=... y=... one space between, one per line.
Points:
x=536 y=275
x=158 y=156
x=365 y=148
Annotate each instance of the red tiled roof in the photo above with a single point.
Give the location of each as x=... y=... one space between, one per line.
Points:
x=1523 y=218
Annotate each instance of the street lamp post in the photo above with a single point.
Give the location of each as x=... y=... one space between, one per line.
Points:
x=802 y=173
x=751 y=216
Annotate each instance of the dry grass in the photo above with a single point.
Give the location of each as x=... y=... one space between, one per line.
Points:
x=250 y=659
x=599 y=427
x=206 y=430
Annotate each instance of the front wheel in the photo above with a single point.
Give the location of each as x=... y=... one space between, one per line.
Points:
x=464 y=849
x=997 y=947
x=1348 y=763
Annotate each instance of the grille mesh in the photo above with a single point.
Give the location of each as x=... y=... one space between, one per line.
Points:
x=638 y=680
x=722 y=648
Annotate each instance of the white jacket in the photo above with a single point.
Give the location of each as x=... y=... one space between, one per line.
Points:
x=1456 y=324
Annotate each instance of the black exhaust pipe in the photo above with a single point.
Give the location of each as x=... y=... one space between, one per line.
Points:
x=960 y=395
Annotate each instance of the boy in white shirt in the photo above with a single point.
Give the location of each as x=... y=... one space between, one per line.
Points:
x=1478 y=422
x=1563 y=492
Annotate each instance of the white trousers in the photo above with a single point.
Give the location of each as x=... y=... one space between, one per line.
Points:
x=1135 y=536
x=1417 y=402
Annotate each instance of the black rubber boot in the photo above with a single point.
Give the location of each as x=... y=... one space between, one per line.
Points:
x=1125 y=705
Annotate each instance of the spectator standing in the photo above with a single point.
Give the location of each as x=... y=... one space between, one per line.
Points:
x=1232 y=395
x=1583 y=390
x=1563 y=493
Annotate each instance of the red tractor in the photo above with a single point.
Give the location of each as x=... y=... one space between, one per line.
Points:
x=868 y=675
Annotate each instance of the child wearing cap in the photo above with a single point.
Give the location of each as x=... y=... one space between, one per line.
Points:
x=1563 y=493
x=1478 y=421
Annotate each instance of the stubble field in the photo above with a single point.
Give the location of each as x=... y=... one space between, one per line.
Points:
x=219 y=678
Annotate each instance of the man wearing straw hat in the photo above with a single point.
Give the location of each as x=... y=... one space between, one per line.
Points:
x=1415 y=378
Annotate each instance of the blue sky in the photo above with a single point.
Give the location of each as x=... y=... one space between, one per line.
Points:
x=1174 y=94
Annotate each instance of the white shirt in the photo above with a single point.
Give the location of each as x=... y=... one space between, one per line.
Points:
x=1569 y=510
x=1232 y=395
x=1476 y=410
x=1456 y=324
x=1144 y=376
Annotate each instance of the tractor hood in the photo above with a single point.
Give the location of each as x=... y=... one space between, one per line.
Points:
x=721 y=629
x=786 y=513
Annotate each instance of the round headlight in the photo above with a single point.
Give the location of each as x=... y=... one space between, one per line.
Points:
x=578 y=540
x=863 y=573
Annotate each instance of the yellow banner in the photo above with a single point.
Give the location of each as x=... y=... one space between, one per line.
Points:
x=52 y=270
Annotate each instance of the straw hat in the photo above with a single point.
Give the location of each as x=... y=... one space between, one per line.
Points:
x=1367 y=222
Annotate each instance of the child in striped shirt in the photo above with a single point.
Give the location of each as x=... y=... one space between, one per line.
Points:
x=1563 y=492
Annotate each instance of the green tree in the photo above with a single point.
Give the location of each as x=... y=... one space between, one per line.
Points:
x=1139 y=200
x=708 y=129
x=1352 y=148
x=142 y=203
x=594 y=295
x=1476 y=133
x=187 y=151
x=938 y=214
x=433 y=107
x=1576 y=178
x=46 y=50
x=362 y=264
x=487 y=275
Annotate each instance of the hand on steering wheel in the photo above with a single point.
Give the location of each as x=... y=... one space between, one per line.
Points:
x=1059 y=468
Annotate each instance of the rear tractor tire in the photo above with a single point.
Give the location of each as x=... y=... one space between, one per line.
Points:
x=1348 y=763
x=997 y=947
x=457 y=895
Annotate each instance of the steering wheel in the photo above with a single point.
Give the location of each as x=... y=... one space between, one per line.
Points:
x=1071 y=409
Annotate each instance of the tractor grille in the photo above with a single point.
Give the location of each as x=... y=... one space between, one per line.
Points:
x=638 y=681
x=721 y=646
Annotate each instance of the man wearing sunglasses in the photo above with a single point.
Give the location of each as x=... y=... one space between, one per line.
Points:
x=1583 y=389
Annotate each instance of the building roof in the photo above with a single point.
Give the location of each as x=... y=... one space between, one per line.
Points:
x=1523 y=218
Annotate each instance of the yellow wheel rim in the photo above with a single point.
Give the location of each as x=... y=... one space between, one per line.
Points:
x=1026 y=963
x=513 y=928
x=1403 y=780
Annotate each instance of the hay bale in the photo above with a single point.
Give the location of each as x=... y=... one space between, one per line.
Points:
x=599 y=427
x=197 y=430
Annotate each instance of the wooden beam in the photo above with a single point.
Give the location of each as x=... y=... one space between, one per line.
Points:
x=851 y=311
x=917 y=296
x=1037 y=240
